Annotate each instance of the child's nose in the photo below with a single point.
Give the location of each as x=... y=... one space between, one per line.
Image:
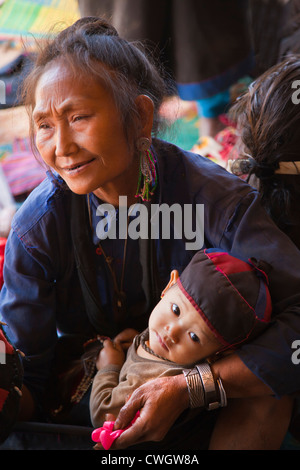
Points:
x=173 y=332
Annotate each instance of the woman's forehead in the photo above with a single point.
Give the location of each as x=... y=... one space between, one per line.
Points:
x=57 y=74
x=59 y=81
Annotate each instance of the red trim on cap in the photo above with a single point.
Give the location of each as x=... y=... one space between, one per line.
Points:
x=237 y=291
x=269 y=306
x=237 y=266
x=260 y=270
x=229 y=264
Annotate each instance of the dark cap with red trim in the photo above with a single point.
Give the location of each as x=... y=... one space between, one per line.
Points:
x=231 y=295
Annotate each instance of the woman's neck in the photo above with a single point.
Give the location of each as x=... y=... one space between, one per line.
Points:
x=125 y=185
x=113 y=197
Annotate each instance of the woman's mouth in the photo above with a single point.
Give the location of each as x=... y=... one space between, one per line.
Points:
x=77 y=167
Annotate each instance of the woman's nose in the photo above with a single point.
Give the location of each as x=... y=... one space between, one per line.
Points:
x=64 y=142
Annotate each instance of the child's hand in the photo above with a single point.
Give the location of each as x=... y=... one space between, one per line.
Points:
x=126 y=337
x=111 y=353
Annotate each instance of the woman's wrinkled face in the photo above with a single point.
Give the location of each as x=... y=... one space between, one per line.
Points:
x=79 y=132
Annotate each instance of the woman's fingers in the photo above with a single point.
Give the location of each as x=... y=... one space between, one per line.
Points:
x=160 y=402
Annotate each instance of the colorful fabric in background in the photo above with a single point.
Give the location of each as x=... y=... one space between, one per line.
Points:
x=222 y=148
x=2 y=249
x=184 y=125
x=183 y=130
x=27 y=18
x=22 y=171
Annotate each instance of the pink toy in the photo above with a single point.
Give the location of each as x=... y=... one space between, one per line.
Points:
x=106 y=434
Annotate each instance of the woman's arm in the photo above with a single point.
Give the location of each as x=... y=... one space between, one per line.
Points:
x=162 y=400
x=237 y=379
x=27 y=306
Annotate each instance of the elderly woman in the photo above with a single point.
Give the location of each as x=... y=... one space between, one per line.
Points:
x=79 y=265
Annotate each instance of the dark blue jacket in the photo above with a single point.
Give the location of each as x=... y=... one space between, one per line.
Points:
x=42 y=293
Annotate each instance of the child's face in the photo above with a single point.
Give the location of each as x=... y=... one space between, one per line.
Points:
x=177 y=332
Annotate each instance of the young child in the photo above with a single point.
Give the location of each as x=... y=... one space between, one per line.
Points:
x=268 y=120
x=217 y=303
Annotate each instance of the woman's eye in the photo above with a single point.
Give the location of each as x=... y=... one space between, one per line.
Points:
x=80 y=117
x=43 y=125
x=176 y=309
x=194 y=337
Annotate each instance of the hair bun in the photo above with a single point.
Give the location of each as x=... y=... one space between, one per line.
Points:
x=93 y=25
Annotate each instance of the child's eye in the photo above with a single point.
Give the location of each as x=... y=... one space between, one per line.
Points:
x=176 y=309
x=194 y=337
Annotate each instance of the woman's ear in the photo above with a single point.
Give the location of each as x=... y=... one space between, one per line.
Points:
x=173 y=279
x=145 y=107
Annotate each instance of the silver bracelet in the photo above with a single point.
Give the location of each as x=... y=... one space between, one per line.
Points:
x=209 y=386
x=223 y=397
x=195 y=388
x=202 y=388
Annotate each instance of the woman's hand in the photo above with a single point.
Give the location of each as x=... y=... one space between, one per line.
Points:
x=160 y=402
x=111 y=353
